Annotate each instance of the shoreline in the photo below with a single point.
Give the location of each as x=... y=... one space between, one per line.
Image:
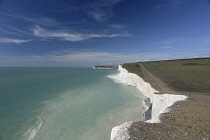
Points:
x=158 y=103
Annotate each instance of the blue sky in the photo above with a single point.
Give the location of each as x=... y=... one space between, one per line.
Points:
x=101 y=32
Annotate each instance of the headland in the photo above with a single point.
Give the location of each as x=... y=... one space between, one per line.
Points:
x=187 y=119
x=105 y=67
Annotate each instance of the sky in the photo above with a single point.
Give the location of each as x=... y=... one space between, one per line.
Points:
x=83 y=33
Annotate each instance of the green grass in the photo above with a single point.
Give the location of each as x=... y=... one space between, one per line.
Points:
x=187 y=75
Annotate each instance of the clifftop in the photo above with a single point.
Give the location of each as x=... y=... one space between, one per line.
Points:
x=175 y=76
x=187 y=119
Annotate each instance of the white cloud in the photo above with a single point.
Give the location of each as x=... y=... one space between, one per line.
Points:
x=11 y=40
x=98 y=15
x=45 y=21
x=117 y=26
x=71 y=35
x=102 y=10
x=12 y=30
x=83 y=58
x=68 y=59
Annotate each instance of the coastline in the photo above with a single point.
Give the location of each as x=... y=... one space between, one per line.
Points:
x=189 y=119
x=158 y=103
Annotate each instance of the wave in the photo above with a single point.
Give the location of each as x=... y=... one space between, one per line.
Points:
x=32 y=132
x=114 y=78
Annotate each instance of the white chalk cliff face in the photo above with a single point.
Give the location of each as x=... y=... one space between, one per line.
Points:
x=160 y=102
x=132 y=79
x=121 y=132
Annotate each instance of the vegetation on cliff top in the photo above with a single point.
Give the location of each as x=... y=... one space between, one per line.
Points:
x=184 y=75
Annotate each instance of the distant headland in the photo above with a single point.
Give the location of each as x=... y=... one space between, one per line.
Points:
x=105 y=67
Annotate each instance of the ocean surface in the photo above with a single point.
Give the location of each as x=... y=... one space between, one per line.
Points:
x=64 y=103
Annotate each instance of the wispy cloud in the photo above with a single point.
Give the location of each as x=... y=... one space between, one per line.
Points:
x=88 y=58
x=40 y=20
x=117 y=26
x=169 y=41
x=206 y=55
x=12 y=40
x=68 y=59
x=98 y=15
x=12 y=30
x=71 y=35
x=69 y=30
x=102 y=10
x=112 y=57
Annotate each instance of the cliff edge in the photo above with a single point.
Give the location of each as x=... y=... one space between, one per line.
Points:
x=186 y=120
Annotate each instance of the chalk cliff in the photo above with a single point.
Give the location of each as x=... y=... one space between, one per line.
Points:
x=158 y=103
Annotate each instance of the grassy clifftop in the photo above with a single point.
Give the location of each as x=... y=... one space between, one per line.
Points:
x=184 y=75
x=188 y=119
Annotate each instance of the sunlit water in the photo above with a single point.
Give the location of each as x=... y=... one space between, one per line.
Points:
x=64 y=104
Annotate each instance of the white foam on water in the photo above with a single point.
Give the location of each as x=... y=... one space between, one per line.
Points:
x=34 y=131
x=113 y=77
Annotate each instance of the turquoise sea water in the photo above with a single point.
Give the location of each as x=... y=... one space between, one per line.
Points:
x=64 y=104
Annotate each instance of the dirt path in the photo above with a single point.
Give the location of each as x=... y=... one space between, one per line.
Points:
x=154 y=81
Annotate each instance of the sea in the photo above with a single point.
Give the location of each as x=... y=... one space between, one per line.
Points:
x=64 y=103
